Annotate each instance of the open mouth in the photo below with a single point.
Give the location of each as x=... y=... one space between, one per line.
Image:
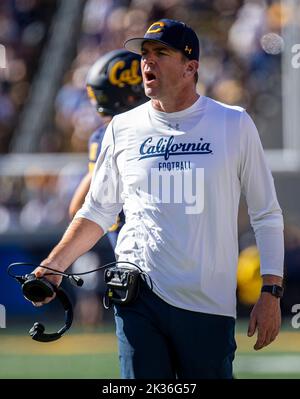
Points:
x=150 y=77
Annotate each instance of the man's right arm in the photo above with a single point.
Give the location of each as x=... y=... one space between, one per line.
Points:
x=81 y=235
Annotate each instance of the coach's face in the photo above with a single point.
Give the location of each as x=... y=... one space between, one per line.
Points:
x=163 y=70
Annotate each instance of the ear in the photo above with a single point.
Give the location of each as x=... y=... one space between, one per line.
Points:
x=191 y=68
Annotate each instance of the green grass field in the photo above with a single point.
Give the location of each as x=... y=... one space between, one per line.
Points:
x=81 y=355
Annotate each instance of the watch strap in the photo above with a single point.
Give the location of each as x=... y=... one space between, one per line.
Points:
x=275 y=290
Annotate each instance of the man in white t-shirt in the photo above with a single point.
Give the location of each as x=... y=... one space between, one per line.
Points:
x=177 y=165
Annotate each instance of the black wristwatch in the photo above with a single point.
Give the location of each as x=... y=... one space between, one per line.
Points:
x=274 y=290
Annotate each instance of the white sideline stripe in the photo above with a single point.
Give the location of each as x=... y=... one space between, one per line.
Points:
x=267 y=364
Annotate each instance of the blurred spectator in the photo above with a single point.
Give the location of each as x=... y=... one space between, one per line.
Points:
x=23 y=29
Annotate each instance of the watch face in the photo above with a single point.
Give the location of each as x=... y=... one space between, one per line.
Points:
x=277 y=291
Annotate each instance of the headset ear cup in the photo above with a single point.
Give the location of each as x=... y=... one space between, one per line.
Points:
x=37 y=329
x=37 y=289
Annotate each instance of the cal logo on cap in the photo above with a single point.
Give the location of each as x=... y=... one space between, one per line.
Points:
x=156 y=27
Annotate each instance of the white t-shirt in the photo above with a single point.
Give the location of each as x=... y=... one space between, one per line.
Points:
x=178 y=177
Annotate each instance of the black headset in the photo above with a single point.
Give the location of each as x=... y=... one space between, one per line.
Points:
x=37 y=289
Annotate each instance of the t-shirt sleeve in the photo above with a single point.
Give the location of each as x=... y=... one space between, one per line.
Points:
x=103 y=202
x=257 y=184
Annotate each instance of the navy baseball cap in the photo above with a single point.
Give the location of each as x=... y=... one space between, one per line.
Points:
x=174 y=34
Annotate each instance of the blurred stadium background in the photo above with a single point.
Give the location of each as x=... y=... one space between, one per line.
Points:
x=249 y=58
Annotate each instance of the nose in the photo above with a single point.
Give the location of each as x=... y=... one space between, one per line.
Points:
x=148 y=59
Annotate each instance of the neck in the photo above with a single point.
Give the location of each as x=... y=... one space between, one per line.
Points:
x=175 y=104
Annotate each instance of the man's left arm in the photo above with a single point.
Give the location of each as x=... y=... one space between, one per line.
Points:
x=267 y=222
